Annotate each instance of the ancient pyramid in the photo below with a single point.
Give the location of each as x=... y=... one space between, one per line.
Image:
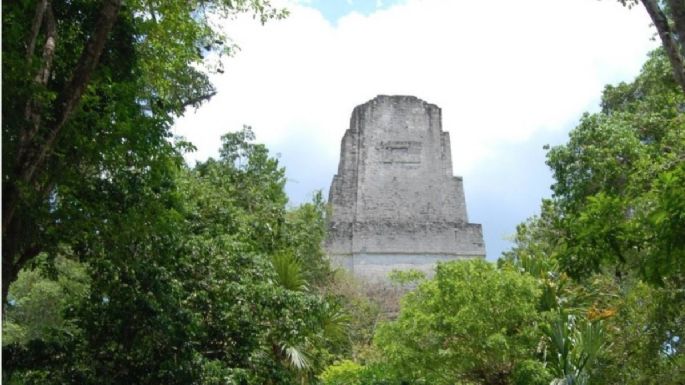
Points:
x=395 y=203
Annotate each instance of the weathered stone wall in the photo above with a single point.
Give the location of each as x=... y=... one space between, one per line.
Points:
x=394 y=198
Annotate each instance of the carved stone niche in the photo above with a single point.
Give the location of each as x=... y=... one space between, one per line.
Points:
x=402 y=152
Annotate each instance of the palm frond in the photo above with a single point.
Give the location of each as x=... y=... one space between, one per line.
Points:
x=336 y=323
x=289 y=272
x=296 y=357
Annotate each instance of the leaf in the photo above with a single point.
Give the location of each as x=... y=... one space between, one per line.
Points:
x=288 y=272
x=296 y=357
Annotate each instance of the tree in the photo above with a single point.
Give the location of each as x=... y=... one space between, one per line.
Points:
x=641 y=348
x=251 y=267
x=90 y=89
x=472 y=323
x=307 y=224
x=668 y=17
x=187 y=292
x=618 y=182
x=39 y=298
x=608 y=245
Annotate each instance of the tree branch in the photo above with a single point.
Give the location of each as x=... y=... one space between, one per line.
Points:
x=32 y=113
x=670 y=45
x=49 y=47
x=32 y=153
x=68 y=99
x=678 y=15
x=35 y=28
x=11 y=267
x=194 y=101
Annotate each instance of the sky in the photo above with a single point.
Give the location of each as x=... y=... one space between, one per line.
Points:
x=510 y=77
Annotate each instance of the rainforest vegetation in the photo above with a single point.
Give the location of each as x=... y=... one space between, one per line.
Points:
x=121 y=264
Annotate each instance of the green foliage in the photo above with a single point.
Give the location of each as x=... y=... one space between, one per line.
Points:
x=615 y=226
x=307 y=232
x=239 y=196
x=535 y=244
x=344 y=372
x=186 y=290
x=667 y=222
x=641 y=347
x=202 y=275
x=637 y=322
x=66 y=169
x=592 y=291
x=619 y=182
x=472 y=323
x=37 y=302
x=406 y=277
x=576 y=346
x=361 y=311
x=288 y=272
x=531 y=372
x=347 y=372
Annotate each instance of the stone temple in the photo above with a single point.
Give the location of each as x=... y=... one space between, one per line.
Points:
x=395 y=203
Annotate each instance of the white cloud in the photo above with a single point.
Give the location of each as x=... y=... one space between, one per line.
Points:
x=501 y=71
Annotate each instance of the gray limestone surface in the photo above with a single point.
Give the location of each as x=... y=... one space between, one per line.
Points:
x=395 y=203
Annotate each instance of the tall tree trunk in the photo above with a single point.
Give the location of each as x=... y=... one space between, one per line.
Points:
x=669 y=38
x=33 y=106
x=36 y=144
x=68 y=99
x=35 y=28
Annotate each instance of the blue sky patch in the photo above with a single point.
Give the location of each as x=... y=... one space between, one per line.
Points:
x=333 y=10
